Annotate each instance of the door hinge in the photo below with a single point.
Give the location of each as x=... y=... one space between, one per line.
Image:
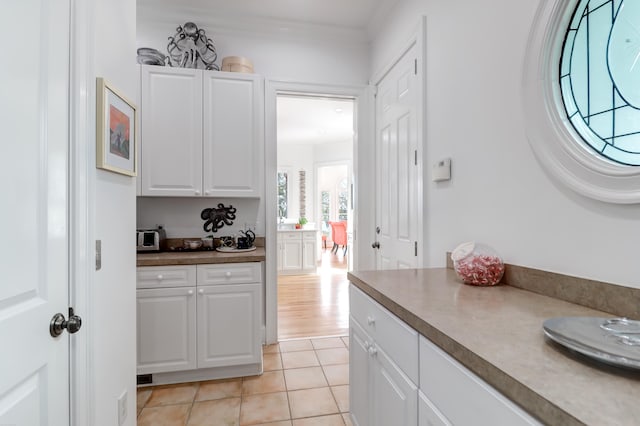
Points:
x=415 y=157
x=415 y=66
x=415 y=248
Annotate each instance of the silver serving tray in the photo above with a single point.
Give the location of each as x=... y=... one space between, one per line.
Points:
x=615 y=341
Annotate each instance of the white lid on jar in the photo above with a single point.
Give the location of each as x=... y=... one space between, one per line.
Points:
x=462 y=251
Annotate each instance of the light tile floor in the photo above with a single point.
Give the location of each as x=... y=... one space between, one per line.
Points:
x=305 y=383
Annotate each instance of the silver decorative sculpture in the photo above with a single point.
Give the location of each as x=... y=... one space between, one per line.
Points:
x=190 y=48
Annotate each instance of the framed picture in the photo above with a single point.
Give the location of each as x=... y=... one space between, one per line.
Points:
x=116 y=130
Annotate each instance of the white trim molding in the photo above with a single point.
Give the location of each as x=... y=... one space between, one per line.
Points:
x=558 y=147
x=363 y=199
x=82 y=183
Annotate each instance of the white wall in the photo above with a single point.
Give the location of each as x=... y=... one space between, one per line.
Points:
x=113 y=320
x=499 y=193
x=274 y=56
x=181 y=216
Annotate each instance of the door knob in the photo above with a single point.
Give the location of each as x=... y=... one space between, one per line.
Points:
x=375 y=245
x=377 y=229
x=59 y=323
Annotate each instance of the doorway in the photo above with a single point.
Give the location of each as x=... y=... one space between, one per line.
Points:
x=315 y=145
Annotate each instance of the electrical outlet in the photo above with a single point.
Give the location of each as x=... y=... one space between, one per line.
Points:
x=122 y=408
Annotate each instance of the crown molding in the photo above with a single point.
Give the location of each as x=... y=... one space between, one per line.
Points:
x=216 y=23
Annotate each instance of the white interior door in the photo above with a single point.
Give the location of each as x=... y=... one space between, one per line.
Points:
x=34 y=113
x=396 y=158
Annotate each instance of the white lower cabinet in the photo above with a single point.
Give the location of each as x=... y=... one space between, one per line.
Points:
x=297 y=253
x=381 y=392
x=384 y=375
x=227 y=315
x=428 y=414
x=166 y=329
x=211 y=317
x=460 y=396
x=291 y=255
x=359 y=375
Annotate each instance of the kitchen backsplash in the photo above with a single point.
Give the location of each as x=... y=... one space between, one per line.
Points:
x=181 y=216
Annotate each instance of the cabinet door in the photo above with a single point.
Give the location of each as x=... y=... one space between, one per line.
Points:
x=450 y=385
x=309 y=251
x=359 y=383
x=428 y=414
x=394 y=398
x=166 y=333
x=292 y=255
x=171 y=131
x=229 y=325
x=233 y=135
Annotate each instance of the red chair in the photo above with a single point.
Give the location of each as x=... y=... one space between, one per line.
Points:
x=339 y=236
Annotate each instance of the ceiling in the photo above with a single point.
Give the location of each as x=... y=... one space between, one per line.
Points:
x=314 y=120
x=351 y=14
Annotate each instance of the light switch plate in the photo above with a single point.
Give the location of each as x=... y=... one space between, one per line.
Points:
x=441 y=171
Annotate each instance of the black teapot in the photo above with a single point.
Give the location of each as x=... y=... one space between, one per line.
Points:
x=247 y=240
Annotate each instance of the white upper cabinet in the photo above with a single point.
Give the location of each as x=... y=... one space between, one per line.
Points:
x=202 y=133
x=171 y=131
x=233 y=111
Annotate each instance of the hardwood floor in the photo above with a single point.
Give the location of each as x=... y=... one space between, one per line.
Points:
x=315 y=305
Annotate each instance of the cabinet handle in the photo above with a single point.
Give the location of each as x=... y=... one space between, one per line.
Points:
x=371 y=320
x=227 y=274
x=201 y=292
x=373 y=351
x=190 y=292
x=160 y=277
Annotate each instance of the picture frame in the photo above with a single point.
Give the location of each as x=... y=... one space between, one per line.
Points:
x=116 y=130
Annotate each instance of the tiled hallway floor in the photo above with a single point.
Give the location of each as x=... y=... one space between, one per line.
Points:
x=305 y=383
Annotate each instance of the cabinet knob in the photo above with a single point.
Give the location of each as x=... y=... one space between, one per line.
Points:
x=227 y=274
x=201 y=292
x=197 y=192
x=371 y=320
x=366 y=345
x=190 y=292
x=373 y=351
x=160 y=277
x=207 y=192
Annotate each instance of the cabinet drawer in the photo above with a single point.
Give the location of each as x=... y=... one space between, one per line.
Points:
x=229 y=273
x=309 y=236
x=290 y=236
x=449 y=386
x=390 y=333
x=165 y=276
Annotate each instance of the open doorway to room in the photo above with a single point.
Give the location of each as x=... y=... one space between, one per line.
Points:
x=315 y=144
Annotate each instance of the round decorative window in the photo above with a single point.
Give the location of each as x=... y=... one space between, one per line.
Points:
x=581 y=95
x=600 y=77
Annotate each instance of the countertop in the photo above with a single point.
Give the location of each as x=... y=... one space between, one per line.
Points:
x=496 y=332
x=296 y=230
x=198 y=257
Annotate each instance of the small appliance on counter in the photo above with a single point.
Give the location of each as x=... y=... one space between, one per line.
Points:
x=151 y=239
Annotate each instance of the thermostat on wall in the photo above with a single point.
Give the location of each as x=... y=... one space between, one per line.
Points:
x=441 y=170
